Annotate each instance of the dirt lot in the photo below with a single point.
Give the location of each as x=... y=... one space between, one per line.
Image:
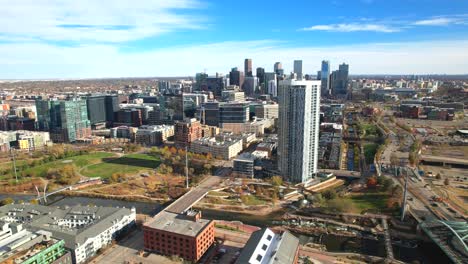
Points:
x=440 y=127
x=446 y=151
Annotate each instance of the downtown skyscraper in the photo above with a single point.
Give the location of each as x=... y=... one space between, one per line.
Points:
x=298 y=68
x=278 y=68
x=325 y=78
x=298 y=129
x=248 y=67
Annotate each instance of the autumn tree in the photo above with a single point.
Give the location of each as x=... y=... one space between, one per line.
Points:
x=329 y=194
x=274 y=197
x=276 y=180
x=6 y=201
x=259 y=190
x=371 y=182
x=446 y=181
x=394 y=159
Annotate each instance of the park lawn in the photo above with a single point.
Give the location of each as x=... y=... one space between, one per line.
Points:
x=252 y=200
x=128 y=164
x=370 y=149
x=373 y=202
x=368 y=129
x=78 y=161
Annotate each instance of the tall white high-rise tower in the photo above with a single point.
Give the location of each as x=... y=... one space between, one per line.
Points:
x=298 y=129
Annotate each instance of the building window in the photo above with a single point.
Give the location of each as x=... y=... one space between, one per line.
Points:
x=264 y=247
x=259 y=257
x=269 y=237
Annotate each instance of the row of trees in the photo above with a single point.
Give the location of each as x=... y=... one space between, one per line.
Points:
x=56 y=152
x=173 y=161
x=331 y=201
x=66 y=175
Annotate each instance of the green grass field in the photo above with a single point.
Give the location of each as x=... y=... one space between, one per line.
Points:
x=128 y=164
x=373 y=202
x=78 y=161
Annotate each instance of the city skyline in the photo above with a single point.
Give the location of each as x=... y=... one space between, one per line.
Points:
x=180 y=38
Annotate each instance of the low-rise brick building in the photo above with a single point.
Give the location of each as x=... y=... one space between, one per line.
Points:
x=185 y=235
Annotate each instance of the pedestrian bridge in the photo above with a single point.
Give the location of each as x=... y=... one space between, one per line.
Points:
x=450 y=236
x=343 y=173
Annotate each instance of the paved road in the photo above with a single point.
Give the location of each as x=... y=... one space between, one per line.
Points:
x=123 y=251
x=417 y=188
x=126 y=251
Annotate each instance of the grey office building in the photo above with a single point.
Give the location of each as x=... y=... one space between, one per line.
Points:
x=96 y=109
x=209 y=113
x=234 y=112
x=112 y=106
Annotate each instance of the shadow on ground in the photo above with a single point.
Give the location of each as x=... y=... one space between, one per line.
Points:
x=151 y=164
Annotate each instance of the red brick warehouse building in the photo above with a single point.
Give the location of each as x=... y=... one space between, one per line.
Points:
x=185 y=235
x=187 y=131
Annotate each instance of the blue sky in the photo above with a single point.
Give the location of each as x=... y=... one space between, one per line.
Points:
x=88 y=38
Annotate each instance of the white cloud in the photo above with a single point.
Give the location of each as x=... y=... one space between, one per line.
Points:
x=31 y=61
x=95 y=21
x=353 y=27
x=443 y=21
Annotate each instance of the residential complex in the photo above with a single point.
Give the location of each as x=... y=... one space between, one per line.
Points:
x=153 y=135
x=24 y=140
x=220 y=147
x=84 y=229
x=31 y=247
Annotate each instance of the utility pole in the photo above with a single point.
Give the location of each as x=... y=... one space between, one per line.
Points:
x=14 y=163
x=186 y=167
x=403 y=207
x=45 y=197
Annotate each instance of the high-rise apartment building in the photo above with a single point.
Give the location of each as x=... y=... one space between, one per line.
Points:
x=325 y=78
x=248 y=67
x=66 y=121
x=298 y=69
x=298 y=129
x=339 y=80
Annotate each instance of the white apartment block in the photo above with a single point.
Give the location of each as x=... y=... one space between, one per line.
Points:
x=225 y=149
x=298 y=129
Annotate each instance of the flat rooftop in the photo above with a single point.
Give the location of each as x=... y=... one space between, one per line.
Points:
x=178 y=224
x=72 y=224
